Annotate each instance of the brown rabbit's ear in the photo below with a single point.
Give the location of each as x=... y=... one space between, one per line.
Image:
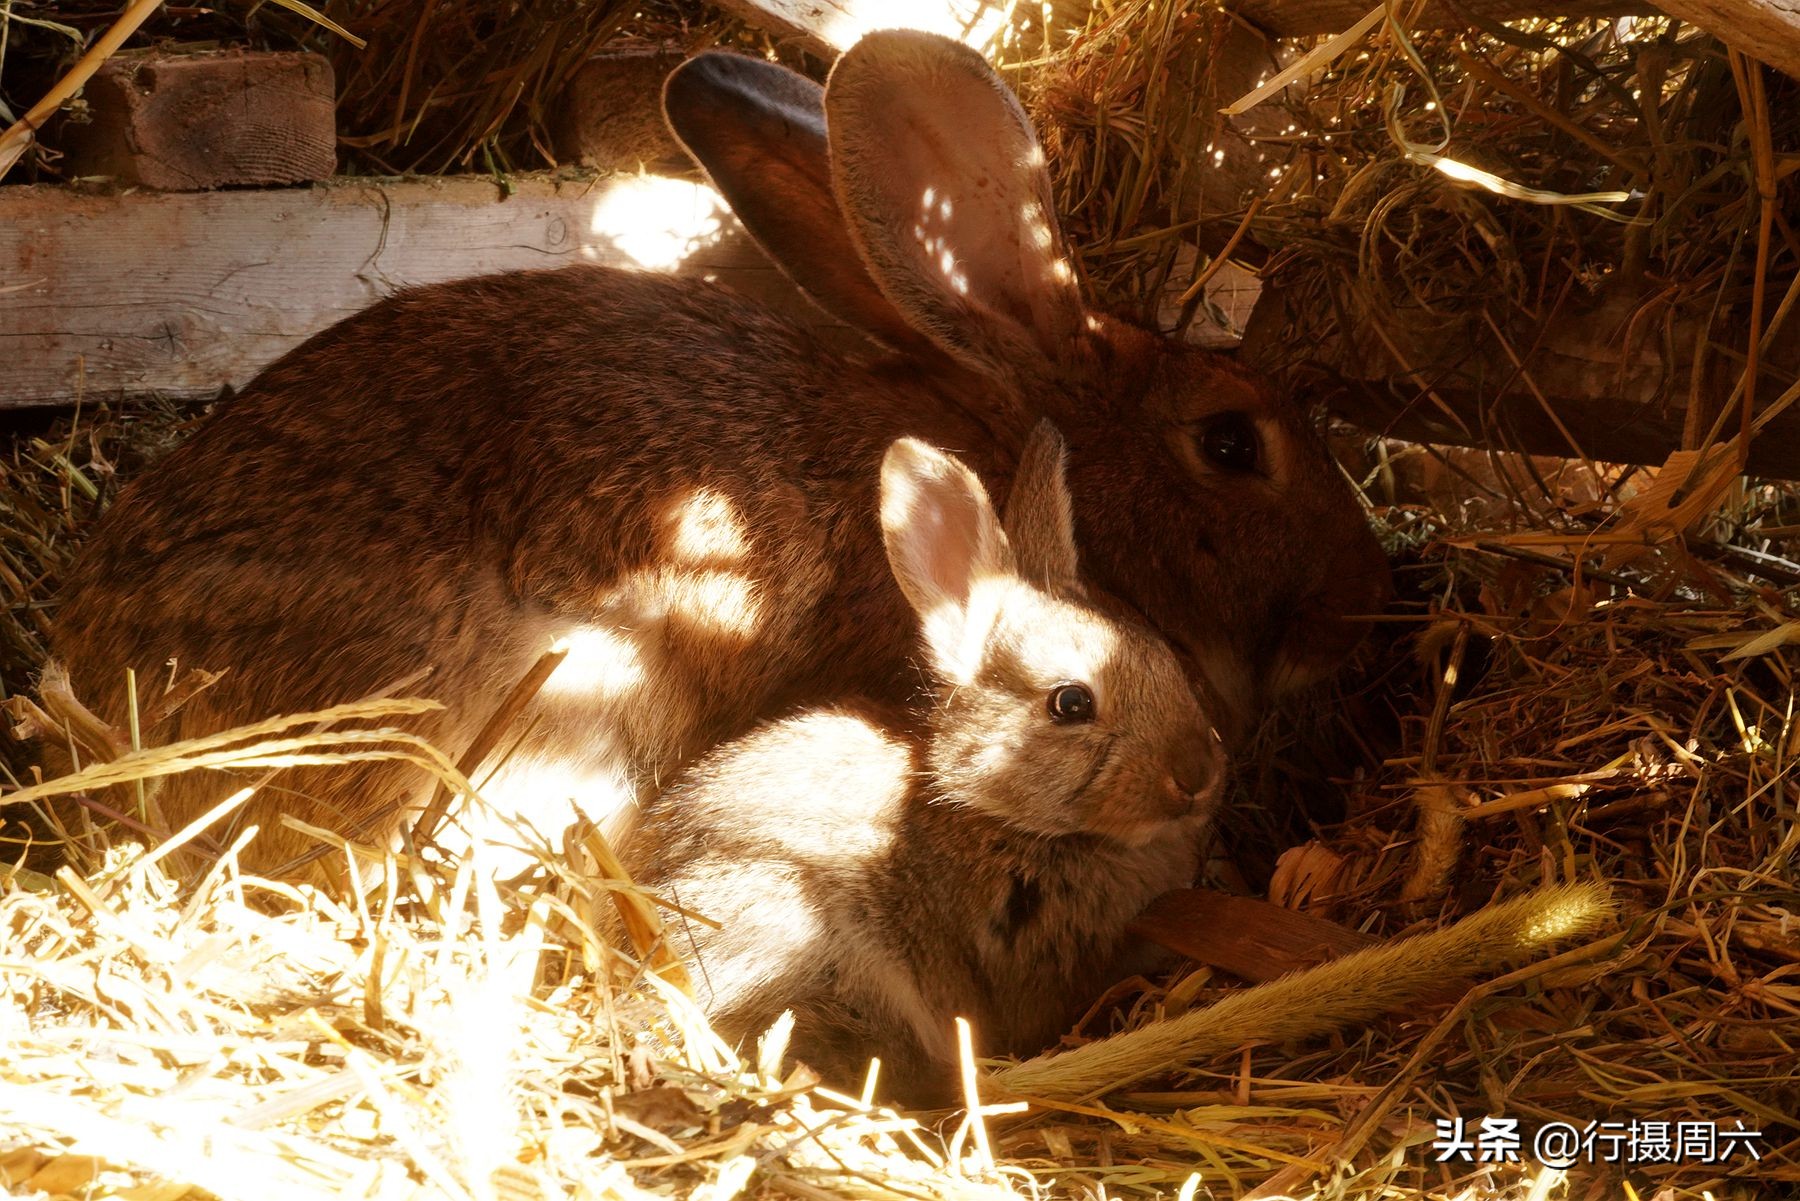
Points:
x=943 y=539
x=944 y=188
x=758 y=129
x=1040 y=521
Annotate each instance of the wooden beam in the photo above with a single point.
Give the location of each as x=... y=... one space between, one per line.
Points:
x=1306 y=18
x=1595 y=389
x=1608 y=428
x=1768 y=30
x=826 y=27
x=180 y=294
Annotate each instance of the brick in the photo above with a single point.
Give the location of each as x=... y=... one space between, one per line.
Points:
x=187 y=121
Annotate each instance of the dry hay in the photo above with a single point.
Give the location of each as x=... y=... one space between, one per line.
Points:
x=1412 y=283
x=245 y=1039
x=474 y=87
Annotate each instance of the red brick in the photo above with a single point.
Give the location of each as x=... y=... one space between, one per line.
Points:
x=180 y=121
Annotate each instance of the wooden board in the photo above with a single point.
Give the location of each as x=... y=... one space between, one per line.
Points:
x=1303 y=18
x=1253 y=940
x=828 y=26
x=1764 y=29
x=181 y=294
x=1613 y=393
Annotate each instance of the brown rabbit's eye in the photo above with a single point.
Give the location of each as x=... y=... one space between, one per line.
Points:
x=1229 y=442
x=1070 y=703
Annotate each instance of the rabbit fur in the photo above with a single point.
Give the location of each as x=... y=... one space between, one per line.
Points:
x=881 y=872
x=677 y=485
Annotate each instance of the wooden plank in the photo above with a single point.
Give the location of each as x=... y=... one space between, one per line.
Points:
x=1768 y=30
x=832 y=25
x=1253 y=940
x=1608 y=428
x=1765 y=29
x=1305 y=18
x=1614 y=394
x=828 y=26
x=183 y=293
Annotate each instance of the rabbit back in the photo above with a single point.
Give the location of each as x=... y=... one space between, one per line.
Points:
x=625 y=475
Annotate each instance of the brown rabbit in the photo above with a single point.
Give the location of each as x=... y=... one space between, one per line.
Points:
x=678 y=484
x=978 y=853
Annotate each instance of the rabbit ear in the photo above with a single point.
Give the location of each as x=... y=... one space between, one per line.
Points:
x=944 y=188
x=759 y=131
x=943 y=539
x=1040 y=521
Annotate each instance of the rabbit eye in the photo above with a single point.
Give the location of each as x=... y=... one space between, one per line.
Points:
x=1070 y=703
x=1229 y=442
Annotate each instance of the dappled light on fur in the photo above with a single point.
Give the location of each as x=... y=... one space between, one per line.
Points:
x=754 y=898
x=709 y=527
x=1037 y=228
x=704 y=532
x=705 y=538
x=712 y=602
x=625 y=672
x=599 y=661
x=543 y=793
x=934 y=215
x=658 y=221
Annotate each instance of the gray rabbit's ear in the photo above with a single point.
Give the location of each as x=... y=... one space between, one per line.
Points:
x=1040 y=520
x=944 y=541
x=758 y=130
x=944 y=188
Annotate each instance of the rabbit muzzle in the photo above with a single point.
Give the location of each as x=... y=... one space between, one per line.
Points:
x=1196 y=776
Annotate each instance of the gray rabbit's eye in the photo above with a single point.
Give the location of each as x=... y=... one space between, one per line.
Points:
x=1070 y=703
x=1229 y=442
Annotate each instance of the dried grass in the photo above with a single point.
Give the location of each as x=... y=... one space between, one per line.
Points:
x=242 y=1038
x=1480 y=279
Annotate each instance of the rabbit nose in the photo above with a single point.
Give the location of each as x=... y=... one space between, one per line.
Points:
x=1195 y=773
